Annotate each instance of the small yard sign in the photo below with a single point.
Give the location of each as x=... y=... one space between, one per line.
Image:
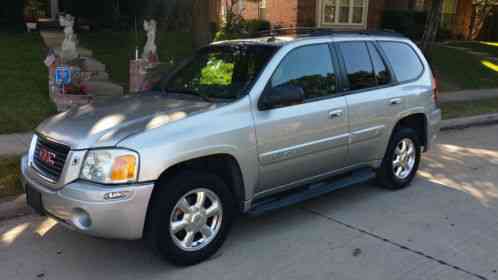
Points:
x=62 y=75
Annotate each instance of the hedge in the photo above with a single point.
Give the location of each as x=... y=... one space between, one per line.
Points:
x=410 y=23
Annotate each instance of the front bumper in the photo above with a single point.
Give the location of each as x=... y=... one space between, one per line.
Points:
x=81 y=206
x=433 y=128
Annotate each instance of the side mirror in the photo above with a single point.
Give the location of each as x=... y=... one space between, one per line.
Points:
x=281 y=96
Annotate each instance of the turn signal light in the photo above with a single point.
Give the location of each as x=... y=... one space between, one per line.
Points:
x=124 y=168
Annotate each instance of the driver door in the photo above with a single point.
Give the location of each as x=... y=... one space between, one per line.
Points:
x=303 y=141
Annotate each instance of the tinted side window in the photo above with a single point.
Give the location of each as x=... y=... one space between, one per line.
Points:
x=404 y=60
x=309 y=67
x=381 y=72
x=358 y=65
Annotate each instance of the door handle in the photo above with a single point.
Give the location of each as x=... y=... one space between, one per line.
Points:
x=336 y=114
x=395 y=101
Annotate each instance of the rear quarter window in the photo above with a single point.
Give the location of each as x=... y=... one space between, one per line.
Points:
x=404 y=60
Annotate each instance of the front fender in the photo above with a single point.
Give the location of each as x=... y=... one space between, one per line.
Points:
x=153 y=165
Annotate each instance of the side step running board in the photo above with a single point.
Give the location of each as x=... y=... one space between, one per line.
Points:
x=311 y=191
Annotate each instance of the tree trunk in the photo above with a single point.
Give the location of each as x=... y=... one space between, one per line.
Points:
x=200 y=23
x=432 y=25
x=473 y=20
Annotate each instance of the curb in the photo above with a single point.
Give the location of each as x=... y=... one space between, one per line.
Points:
x=461 y=123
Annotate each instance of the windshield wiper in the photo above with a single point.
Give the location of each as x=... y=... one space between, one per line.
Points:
x=191 y=93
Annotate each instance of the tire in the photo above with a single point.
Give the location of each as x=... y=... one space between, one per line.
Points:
x=166 y=208
x=391 y=175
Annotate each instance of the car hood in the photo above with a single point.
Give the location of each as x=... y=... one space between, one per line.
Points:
x=106 y=124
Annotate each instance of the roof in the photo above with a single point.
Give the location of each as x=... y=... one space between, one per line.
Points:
x=276 y=39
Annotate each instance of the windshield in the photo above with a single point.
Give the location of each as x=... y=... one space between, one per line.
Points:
x=220 y=71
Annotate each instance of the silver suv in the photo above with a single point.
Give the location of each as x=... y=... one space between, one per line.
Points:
x=244 y=126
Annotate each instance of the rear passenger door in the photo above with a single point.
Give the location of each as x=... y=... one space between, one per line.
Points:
x=371 y=103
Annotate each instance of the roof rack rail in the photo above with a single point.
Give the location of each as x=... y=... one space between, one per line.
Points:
x=321 y=31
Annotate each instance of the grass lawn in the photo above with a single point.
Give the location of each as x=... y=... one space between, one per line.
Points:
x=10 y=173
x=23 y=82
x=469 y=108
x=487 y=47
x=115 y=49
x=459 y=70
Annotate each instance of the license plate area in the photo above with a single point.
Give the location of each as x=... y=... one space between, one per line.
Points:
x=34 y=199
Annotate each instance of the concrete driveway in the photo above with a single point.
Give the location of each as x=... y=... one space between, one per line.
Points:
x=443 y=227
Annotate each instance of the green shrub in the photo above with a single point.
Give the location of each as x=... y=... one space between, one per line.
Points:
x=410 y=23
x=242 y=29
x=255 y=26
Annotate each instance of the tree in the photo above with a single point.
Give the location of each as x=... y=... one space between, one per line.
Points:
x=481 y=10
x=15 y=11
x=200 y=23
x=432 y=25
x=232 y=18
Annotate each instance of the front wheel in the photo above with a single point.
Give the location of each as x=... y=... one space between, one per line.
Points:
x=191 y=217
x=402 y=159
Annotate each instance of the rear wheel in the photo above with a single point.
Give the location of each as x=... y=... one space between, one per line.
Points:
x=402 y=159
x=191 y=217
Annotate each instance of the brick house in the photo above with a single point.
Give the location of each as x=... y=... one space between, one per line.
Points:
x=350 y=14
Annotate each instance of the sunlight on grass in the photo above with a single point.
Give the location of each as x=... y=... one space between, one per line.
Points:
x=490 y=65
x=493 y=44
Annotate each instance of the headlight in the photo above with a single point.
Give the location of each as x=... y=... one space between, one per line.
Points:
x=112 y=166
x=32 y=147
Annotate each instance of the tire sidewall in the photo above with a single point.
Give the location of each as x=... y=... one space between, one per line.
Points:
x=170 y=193
x=388 y=178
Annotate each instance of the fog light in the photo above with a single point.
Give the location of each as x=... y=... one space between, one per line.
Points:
x=81 y=219
x=116 y=195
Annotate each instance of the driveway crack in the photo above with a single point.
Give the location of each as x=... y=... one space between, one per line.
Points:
x=396 y=244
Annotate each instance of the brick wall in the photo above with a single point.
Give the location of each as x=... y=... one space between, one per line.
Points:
x=303 y=12
x=278 y=12
x=306 y=15
x=282 y=12
x=375 y=12
x=463 y=18
x=251 y=9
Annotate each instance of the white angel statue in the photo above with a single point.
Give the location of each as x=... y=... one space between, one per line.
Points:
x=69 y=49
x=150 y=49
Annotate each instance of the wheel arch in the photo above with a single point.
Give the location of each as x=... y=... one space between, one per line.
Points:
x=224 y=165
x=417 y=121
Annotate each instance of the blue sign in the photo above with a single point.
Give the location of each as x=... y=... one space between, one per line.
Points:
x=62 y=76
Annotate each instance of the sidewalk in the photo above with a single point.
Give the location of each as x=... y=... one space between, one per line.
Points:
x=14 y=144
x=467 y=95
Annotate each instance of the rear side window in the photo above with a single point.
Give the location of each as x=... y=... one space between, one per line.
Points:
x=404 y=61
x=309 y=67
x=358 y=65
x=381 y=72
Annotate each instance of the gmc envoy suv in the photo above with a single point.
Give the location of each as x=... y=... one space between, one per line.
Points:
x=243 y=126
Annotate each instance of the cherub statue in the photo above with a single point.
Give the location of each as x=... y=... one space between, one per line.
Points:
x=69 y=50
x=150 y=49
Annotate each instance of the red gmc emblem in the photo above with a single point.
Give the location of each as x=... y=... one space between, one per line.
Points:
x=47 y=157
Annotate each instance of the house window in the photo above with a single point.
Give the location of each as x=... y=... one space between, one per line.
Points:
x=262 y=9
x=344 y=12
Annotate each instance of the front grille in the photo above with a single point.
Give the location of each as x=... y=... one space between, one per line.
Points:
x=49 y=158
